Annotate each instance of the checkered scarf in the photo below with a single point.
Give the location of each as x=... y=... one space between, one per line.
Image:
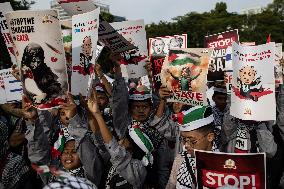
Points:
x=12 y=166
x=71 y=182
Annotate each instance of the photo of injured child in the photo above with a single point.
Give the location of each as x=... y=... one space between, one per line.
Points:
x=249 y=84
x=185 y=72
x=40 y=84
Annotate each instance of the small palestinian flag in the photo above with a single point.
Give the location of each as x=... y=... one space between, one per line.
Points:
x=195 y=118
x=183 y=58
x=59 y=145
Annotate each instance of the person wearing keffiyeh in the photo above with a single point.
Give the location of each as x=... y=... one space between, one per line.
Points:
x=14 y=171
x=197 y=132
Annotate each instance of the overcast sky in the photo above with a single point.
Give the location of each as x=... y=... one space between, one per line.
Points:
x=156 y=10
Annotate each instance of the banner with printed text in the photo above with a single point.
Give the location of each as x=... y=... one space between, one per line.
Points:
x=4 y=8
x=219 y=42
x=217 y=170
x=185 y=73
x=41 y=57
x=84 y=45
x=253 y=86
x=133 y=61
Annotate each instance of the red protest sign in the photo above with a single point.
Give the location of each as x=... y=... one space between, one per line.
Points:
x=244 y=171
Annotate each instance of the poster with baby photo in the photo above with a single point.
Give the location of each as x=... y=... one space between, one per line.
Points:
x=84 y=45
x=4 y=8
x=185 y=73
x=41 y=56
x=161 y=45
x=253 y=86
x=278 y=66
x=77 y=7
x=133 y=61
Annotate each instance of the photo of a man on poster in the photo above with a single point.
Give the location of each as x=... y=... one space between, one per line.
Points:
x=87 y=55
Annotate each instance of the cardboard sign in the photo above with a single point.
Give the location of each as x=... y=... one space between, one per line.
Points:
x=110 y=38
x=133 y=62
x=10 y=88
x=219 y=42
x=246 y=171
x=185 y=73
x=66 y=28
x=253 y=86
x=4 y=8
x=84 y=45
x=41 y=56
x=161 y=45
x=74 y=7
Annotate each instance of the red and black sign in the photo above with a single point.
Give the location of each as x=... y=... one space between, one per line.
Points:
x=246 y=171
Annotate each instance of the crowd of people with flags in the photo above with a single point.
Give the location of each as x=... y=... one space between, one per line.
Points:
x=170 y=117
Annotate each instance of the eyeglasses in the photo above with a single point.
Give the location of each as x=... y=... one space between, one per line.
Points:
x=191 y=143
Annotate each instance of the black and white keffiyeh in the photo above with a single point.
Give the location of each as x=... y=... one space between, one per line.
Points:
x=186 y=173
x=71 y=183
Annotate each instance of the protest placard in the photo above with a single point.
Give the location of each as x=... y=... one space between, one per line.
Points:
x=4 y=8
x=133 y=61
x=162 y=45
x=185 y=73
x=253 y=86
x=84 y=45
x=110 y=38
x=215 y=169
x=219 y=42
x=74 y=7
x=41 y=57
x=11 y=89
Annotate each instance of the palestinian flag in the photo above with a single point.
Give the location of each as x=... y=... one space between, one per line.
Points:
x=58 y=147
x=176 y=59
x=140 y=95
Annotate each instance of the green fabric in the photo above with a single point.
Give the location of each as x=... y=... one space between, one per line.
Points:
x=62 y=144
x=145 y=141
x=179 y=62
x=194 y=115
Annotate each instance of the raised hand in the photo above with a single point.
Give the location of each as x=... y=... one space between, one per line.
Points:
x=70 y=107
x=164 y=93
x=28 y=111
x=93 y=106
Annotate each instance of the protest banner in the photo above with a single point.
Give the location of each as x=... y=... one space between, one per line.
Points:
x=110 y=38
x=84 y=45
x=4 y=8
x=41 y=57
x=278 y=67
x=253 y=86
x=185 y=73
x=74 y=7
x=162 y=45
x=11 y=89
x=133 y=61
x=219 y=42
x=236 y=171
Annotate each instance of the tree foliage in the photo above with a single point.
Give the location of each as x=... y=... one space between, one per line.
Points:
x=252 y=27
